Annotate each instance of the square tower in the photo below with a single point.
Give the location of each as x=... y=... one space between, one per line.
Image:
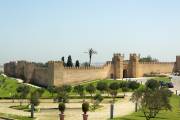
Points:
x=134 y=65
x=118 y=60
x=177 y=63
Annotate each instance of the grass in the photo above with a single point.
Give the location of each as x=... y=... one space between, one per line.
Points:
x=94 y=82
x=93 y=108
x=9 y=85
x=23 y=107
x=165 y=79
x=14 y=117
x=163 y=115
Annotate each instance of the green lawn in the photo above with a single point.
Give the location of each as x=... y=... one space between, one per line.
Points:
x=8 y=88
x=163 y=115
x=22 y=107
x=25 y=108
x=165 y=79
x=94 y=82
x=14 y=117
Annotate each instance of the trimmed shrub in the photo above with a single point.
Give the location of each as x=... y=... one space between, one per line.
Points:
x=62 y=107
x=133 y=85
x=85 y=107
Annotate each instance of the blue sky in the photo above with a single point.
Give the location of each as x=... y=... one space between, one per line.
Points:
x=42 y=30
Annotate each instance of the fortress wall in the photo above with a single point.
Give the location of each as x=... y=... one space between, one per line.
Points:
x=76 y=75
x=177 y=63
x=157 y=67
x=125 y=65
x=10 y=69
x=20 y=69
x=41 y=76
x=56 y=71
x=29 y=71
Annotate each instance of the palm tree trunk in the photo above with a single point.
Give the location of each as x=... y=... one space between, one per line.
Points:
x=90 y=57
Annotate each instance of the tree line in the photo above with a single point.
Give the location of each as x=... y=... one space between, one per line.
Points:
x=69 y=62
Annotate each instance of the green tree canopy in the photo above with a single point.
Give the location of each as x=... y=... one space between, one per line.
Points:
x=102 y=86
x=148 y=59
x=23 y=91
x=77 y=64
x=152 y=99
x=62 y=107
x=133 y=85
x=34 y=98
x=91 y=89
x=69 y=61
x=79 y=89
x=152 y=84
x=52 y=90
x=114 y=89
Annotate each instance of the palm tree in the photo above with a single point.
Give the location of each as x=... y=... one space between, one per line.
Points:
x=91 y=52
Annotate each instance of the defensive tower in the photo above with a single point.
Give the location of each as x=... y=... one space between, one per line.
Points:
x=118 y=60
x=133 y=65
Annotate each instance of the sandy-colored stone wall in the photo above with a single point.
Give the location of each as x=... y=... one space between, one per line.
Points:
x=56 y=70
x=29 y=69
x=159 y=67
x=54 y=73
x=41 y=77
x=10 y=69
x=76 y=75
x=118 y=60
x=177 y=63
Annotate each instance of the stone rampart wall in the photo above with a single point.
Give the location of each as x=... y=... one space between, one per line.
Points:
x=156 y=67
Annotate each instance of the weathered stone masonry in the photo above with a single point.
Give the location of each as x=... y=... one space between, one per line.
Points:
x=54 y=73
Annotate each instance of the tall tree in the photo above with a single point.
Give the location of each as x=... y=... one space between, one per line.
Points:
x=102 y=86
x=63 y=93
x=136 y=96
x=80 y=90
x=114 y=90
x=22 y=91
x=91 y=89
x=51 y=90
x=34 y=98
x=77 y=63
x=91 y=52
x=62 y=59
x=69 y=61
x=98 y=98
x=152 y=99
x=148 y=59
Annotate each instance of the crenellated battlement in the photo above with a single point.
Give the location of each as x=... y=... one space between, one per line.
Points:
x=157 y=62
x=134 y=55
x=118 y=55
x=55 y=61
x=83 y=68
x=90 y=68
